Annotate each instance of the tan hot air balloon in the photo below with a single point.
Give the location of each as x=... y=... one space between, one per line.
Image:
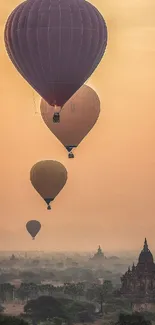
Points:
x=33 y=227
x=77 y=118
x=48 y=177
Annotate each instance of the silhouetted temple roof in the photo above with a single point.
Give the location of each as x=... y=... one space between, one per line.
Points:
x=145 y=261
x=145 y=256
x=134 y=280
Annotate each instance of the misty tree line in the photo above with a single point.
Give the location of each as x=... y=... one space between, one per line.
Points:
x=63 y=304
x=26 y=291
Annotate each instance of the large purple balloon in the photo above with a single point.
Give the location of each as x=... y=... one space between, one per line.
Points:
x=55 y=45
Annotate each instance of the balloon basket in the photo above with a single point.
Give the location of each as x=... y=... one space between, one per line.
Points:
x=56 y=118
x=70 y=155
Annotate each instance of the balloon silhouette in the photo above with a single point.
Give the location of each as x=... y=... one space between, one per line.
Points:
x=78 y=116
x=33 y=227
x=55 y=45
x=48 y=177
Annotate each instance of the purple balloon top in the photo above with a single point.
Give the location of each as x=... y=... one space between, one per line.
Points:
x=56 y=45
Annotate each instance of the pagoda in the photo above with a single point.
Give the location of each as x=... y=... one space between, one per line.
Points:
x=140 y=279
x=98 y=256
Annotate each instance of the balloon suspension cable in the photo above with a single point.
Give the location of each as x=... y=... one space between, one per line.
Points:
x=60 y=108
x=72 y=106
x=48 y=207
x=34 y=103
x=33 y=238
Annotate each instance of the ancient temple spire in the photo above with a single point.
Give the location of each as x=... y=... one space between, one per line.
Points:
x=145 y=249
x=99 y=250
x=99 y=254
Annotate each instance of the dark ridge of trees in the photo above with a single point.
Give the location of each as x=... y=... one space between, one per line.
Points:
x=132 y=319
x=48 y=307
x=11 y=320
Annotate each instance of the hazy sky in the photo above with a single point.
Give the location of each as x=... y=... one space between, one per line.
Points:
x=110 y=195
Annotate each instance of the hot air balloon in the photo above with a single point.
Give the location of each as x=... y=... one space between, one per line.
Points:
x=48 y=177
x=55 y=45
x=33 y=227
x=78 y=116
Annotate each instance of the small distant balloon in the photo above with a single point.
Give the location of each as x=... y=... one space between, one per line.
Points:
x=77 y=117
x=33 y=227
x=48 y=177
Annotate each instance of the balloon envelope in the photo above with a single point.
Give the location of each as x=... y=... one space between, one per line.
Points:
x=77 y=117
x=48 y=177
x=55 y=45
x=33 y=227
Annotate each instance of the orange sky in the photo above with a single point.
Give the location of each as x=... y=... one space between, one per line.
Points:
x=110 y=195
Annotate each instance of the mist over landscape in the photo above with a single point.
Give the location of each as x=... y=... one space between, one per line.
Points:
x=77 y=236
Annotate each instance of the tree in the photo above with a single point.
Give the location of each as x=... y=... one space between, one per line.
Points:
x=100 y=292
x=85 y=317
x=90 y=294
x=2 y=308
x=6 y=291
x=132 y=319
x=45 y=307
x=27 y=290
x=74 y=289
x=70 y=289
x=8 y=320
x=50 y=308
x=75 y=307
x=80 y=311
x=57 y=321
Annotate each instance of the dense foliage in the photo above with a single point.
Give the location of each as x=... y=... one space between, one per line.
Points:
x=8 y=320
x=46 y=307
x=132 y=319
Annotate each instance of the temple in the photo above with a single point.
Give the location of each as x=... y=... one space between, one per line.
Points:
x=140 y=279
x=99 y=255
